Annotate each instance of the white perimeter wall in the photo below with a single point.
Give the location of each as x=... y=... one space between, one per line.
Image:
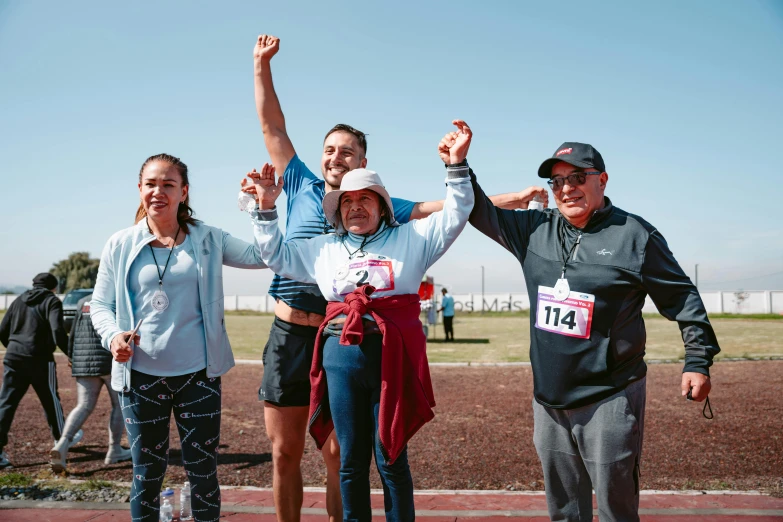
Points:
x=767 y=302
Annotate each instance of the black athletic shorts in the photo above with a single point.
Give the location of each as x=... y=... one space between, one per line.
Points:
x=288 y=355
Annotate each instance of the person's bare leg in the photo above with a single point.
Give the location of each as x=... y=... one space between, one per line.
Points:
x=286 y=428
x=334 y=500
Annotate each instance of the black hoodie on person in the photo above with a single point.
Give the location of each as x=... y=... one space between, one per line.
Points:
x=33 y=326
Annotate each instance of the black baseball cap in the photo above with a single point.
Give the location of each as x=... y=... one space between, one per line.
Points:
x=580 y=155
x=45 y=280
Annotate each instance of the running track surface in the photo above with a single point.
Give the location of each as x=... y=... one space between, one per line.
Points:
x=251 y=504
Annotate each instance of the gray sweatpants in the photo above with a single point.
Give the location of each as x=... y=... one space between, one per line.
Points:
x=597 y=446
x=89 y=388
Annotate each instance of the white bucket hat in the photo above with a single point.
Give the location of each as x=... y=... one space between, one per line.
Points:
x=358 y=179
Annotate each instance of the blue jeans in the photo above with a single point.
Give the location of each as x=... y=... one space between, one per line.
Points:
x=353 y=377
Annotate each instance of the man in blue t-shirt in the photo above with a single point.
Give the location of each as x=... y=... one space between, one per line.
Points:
x=447 y=307
x=300 y=308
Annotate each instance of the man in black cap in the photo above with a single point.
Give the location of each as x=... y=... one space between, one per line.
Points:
x=31 y=330
x=588 y=267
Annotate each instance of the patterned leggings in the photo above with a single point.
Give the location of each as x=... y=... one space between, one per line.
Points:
x=195 y=399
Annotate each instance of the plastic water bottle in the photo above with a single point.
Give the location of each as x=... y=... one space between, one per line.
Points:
x=246 y=202
x=166 y=509
x=184 y=503
x=536 y=204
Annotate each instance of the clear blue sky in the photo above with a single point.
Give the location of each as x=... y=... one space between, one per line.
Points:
x=683 y=99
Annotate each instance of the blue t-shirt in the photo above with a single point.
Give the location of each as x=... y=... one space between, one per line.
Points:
x=448 y=306
x=305 y=193
x=172 y=341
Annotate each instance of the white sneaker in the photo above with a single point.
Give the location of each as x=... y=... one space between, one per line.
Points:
x=117 y=454
x=76 y=439
x=4 y=462
x=59 y=454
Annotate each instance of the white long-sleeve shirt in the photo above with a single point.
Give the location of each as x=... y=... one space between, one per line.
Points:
x=393 y=262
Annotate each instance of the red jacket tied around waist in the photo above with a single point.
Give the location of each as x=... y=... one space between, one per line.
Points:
x=406 y=388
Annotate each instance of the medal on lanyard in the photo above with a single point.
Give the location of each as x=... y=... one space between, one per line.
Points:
x=160 y=301
x=562 y=288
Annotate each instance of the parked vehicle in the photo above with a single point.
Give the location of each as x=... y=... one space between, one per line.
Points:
x=70 y=301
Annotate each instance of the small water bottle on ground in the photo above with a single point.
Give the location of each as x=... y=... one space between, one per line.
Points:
x=536 y=204
x=166 y=509
x=185 y=512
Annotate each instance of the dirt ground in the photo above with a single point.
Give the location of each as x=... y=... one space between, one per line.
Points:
x=481 y=437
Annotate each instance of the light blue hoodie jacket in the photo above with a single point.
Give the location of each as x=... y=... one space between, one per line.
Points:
x=111 y=309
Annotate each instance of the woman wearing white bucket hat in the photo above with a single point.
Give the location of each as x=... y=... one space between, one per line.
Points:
x=370 y=379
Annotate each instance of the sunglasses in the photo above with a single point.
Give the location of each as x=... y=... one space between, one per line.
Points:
x=576 y=179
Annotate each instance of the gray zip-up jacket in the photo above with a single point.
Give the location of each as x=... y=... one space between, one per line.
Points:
x=619 y=259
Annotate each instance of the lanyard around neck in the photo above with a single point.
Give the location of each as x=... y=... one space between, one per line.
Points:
x=365 y=241
x=171 y=251
x=567 y=252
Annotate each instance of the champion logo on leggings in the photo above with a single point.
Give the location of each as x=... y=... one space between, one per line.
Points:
x=148 y=386
x=137 y=394
x=198 y=447
x=204 y=385
x=161 y=443
x=128 y=420
x=149 y=452
x=188 y=415
x=210 y=441
x=204 y=501
x=183 y=428
x=141 y=478
x=183 y=404
x=199 y=461
x=202 y=476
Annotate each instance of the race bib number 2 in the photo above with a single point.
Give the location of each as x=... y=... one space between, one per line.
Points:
x=375 y=272
x=571 y=317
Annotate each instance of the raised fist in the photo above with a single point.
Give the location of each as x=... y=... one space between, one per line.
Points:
x=263 y=186
x=453 y=148
x=266 y=47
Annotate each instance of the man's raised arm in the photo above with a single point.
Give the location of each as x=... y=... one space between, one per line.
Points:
x=278 y=145
x=508 y=201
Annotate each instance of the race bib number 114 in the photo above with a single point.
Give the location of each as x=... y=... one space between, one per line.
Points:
x=571 y=317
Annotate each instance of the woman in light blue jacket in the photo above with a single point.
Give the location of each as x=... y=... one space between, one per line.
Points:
x=166 y=272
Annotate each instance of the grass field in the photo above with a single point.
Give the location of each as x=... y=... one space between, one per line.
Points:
x=506 y=338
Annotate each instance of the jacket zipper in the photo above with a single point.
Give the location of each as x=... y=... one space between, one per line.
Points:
x=126 y=368
x=201 y=294
x=576 y=248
